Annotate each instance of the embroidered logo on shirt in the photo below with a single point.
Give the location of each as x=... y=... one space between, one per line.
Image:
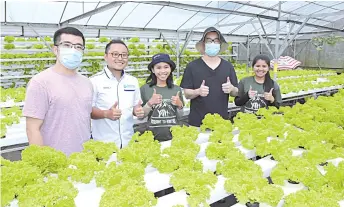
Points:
x=129 y=87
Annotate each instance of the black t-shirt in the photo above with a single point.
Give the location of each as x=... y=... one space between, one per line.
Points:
x=216 y=101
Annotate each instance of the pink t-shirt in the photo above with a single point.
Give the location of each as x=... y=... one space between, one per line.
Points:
x=64 y=102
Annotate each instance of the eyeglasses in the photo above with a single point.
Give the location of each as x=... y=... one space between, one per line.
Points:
x=209 y=40
x=71 y=45
x=116 y=55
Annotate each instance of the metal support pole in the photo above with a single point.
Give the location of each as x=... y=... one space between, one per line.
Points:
x=186 y=42
x=278 y=25
x=93 y=12
x=261 y=24
x=163 y=37
x=307 y=43
x=5 y=11
x=248 y=54
x=45 y=42
x=293 y=37
x=294 y=48
x=64 y=9
x=178 y=54
x=113 y=16
x=263 y=40
x=286 y=39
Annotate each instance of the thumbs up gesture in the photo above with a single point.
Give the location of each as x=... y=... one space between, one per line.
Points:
x=227 y=87
x=251 y=93
x=269 y=96
x=203 y=89
x=138 y=110
x=155 y=99
x=175 y=100
x=114 y=113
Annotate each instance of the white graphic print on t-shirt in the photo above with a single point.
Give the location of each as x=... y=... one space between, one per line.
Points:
x=255 y=103
x=164 y=114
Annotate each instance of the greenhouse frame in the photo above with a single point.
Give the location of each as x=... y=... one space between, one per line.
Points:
x=282 y=155
x=270 y=22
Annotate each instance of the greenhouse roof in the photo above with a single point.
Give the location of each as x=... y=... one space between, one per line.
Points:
x=155 y=18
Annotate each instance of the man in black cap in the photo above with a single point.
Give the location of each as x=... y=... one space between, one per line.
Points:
x=209 y=80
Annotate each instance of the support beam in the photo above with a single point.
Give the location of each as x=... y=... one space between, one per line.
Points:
x=314 y=16
x=129 y=13
x=5 y=11
x=163 y=37
x=45 y=42
x=178 y=56
x=91 y=15
x=301 y=33
x=294 y=50
x=189 y=19
x=113 y=31
x=307 y=43
x=248 y=54
x=286 y=39
x=283 y=11
x=226 y=25
x=217 y=25
x=226 y=11
x=113 y=16
x=240 y=43
x=261 y=24
x=154 y=16
x=264 y=20
x=278 y=24
x=93 y=12
x=237 y=28
x=266 y=36
x=64 y=9
x=205 y=9
x=263 y=40
x=186 y=42
x=293 y=37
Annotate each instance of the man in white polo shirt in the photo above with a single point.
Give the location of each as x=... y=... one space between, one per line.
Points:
x=116 y=98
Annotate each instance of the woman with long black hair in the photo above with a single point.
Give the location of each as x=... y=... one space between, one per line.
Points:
x=162 y=101
x=259 y=90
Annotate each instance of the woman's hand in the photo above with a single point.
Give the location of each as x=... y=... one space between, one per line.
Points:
x=176 y=101
x=155 y=99
x=269 y=96
x=251 y=93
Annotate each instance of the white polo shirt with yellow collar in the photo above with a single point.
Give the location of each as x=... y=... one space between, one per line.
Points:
x=107 y=91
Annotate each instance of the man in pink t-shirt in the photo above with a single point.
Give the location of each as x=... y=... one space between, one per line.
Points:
x=58 y=102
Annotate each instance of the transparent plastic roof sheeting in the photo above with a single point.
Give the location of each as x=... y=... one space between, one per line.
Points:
x=230 y=17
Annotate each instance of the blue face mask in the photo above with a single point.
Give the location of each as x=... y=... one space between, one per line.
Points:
x=212 y=49
x=70 y=58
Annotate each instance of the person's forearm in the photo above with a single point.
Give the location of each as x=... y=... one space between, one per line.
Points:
x=35 y=137
x=191 y=93
x=146 y=109
x=98 y=113
x=241 y=100
x=234 y=92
